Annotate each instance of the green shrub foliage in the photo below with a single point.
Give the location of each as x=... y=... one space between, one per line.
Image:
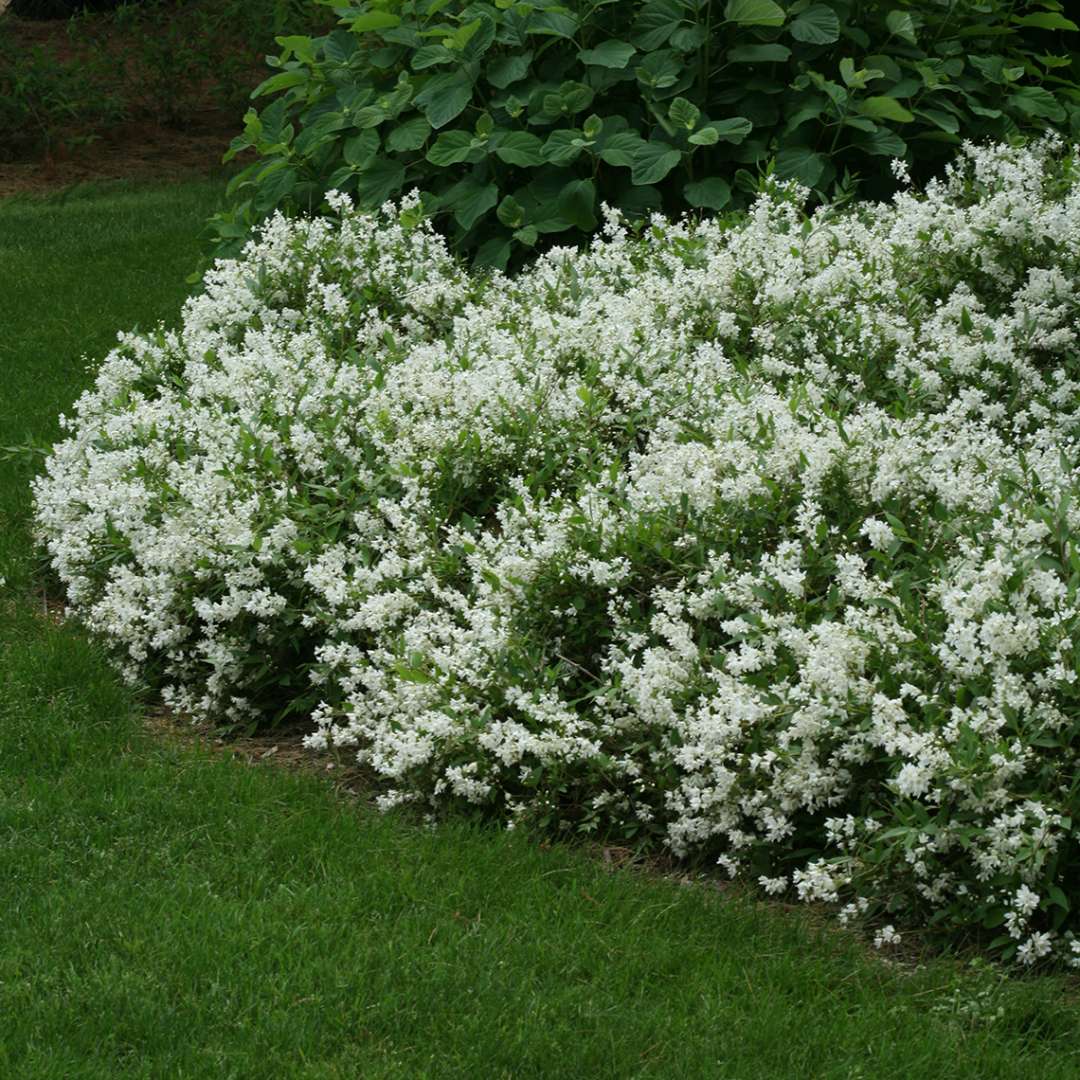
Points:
x=518 y=120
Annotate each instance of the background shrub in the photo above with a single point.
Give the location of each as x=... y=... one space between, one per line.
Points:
x=517 y=120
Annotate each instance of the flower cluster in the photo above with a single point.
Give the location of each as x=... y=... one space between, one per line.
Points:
x=755 y=536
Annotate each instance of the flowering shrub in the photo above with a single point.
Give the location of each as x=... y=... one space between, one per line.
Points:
x=755 y=537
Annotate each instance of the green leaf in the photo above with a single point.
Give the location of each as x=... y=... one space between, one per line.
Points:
x=511 y=213
x=609 y=54
x=577 y=204
x=734 y=129
x=713 y=193
x=1056 y=897
x=817 y=25
x=1045 y=20
x=470 y=200
x=370 y=116
x=754 y=13
x=882 y=143
x=430 y=55
x=621 y=148
x=381 y=180
x=857 y=80
x=282 y=81
x=592 y=127
x=298 y=45
x=653 y=161
x=800 y=163
x=494 y=252
x=885 y=108
x=444 y=97
x=410 y=135
x=1035 y=101
x=945 y=121
x=453 y=147
x=359 y=150
x=902 y=25
x=509 y=69
x=688 y=38
x=758 y=54
x=462 y=35
x=656 y=22
x=990 y=68
x=563 y=146
x=683 y=113
x=707 y=136
x=278 y=186
x=318 y=131
x=660 y=69
x=520 y=148
x=373 y=20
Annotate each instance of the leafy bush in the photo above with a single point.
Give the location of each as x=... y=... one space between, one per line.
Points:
x=518 y=120
x=757 y=538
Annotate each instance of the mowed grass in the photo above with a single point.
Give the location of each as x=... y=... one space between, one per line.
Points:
x=172 y=913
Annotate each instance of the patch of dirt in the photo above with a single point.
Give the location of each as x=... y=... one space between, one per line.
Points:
x=129 y=151
x=140 y=145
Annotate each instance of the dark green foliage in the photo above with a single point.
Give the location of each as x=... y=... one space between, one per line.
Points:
x=59 y=9
x=517 y=120
x=163 y=61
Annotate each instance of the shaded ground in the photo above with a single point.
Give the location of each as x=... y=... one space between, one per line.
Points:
x=140 y=141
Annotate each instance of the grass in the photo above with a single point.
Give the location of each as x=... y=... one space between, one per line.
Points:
x=173 y=913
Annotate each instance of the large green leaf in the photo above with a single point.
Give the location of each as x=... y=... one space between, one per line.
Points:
x=553 y=23
x=410 y=135
x=621 y=148
x=360 y=150
x=713 y=193
x=754 y=13
x=509 y=69
x=577 y=204
x=1035 y=101
x=511 y=213
x=800 y=163
x=885 y=108
x=453 y=147
x=519 y=148
x=444 y=97
x=430 y=55
x=609 y=54
x=373 y=20
x=817 y=25
x=656 y=22
x=683 y=113
x=734 y=129
x=284 y=80
x=470 y=199
x=1045 y=20
x=902 y=25
x=660 y=69
x=381 y=180
x=563 y=146
x=653 y=161
x=882 y=143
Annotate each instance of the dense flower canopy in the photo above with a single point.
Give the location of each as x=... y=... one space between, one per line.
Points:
x=754 y=535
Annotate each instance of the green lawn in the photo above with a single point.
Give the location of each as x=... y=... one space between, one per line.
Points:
x=168 y=913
